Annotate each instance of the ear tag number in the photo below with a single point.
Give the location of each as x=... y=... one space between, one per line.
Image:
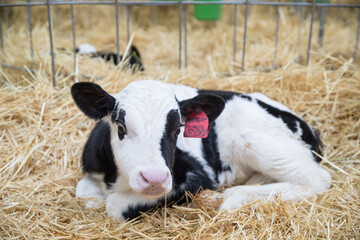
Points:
x=197 y=124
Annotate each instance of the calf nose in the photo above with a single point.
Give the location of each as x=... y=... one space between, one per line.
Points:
x=155 y=177
x=154 y=183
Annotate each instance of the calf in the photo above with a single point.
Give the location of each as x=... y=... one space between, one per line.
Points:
x=133 y=58
x=155 y=141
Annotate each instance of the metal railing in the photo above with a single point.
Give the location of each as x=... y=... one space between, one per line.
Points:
x=182 y=27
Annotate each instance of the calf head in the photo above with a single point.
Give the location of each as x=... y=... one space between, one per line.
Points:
x=145 y=119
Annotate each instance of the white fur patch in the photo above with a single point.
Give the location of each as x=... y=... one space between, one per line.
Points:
x=92 y=186
x=118 y=203
x=86 y=48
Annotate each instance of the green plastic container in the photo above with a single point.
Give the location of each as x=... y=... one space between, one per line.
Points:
x=210 y=12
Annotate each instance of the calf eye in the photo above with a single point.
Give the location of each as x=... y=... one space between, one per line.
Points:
x=177 y=131
x=121 y=130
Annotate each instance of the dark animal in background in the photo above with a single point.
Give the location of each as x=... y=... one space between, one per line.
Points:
x=133 y=57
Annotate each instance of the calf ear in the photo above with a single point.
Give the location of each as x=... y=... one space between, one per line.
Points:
x=92 y=99
x=211 y=104
x=135 y=53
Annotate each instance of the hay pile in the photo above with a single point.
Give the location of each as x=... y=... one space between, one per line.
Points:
x=42 y=132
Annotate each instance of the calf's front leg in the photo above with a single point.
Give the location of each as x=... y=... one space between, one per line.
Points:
x=127 y=205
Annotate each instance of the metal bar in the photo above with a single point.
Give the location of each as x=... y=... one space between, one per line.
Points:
x=73 y=35
x=127 y=23
x=180 y=31
x=276 y=35
x=303 y=14
x=31 y=37
x=310 y=34
x=323 y=11
x=357 y=36
x=337 y=11
x=270 y=4
x=90 y=17
x=185 y=23
x=57 y=18
x=244 y=39
x=117 y=31
x=132 y=3
x=51 y=44
x=57 y=15
x=1 y=33
x=168 y=3
x=301 y=23
x=154 y=15
x=235 y=27
x=7 y=15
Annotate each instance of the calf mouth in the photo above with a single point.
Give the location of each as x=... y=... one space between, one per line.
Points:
x=154 y=191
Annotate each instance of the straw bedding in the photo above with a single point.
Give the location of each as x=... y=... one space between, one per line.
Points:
x=42 y=133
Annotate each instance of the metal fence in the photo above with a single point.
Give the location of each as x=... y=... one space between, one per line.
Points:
x=182 y=5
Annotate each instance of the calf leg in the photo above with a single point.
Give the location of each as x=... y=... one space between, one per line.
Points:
x=258 y=179
x=92 y=186
x=238 y=196
x=127 y=205
x=285 y=160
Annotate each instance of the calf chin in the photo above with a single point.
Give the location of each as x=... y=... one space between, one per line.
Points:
x=154 y=192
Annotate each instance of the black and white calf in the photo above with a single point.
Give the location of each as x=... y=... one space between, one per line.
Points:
x=138 y=155
x=133 y=58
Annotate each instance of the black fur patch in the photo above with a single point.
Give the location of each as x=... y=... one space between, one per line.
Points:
x=211 y=152
x=119 y=119
x=168 y=140
x=292 y=122
x=185 y=164
x=212 y=105
x=114 y=113
x=226 y=95
x=98 y=156
x=92 y=99
x=133 y=58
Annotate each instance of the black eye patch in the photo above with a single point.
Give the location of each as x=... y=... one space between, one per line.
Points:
x=121 y=130
x=119 y=119
x=169 y=138
x=173 y=124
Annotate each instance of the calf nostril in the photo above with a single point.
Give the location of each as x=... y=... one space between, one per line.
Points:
x=143 y=177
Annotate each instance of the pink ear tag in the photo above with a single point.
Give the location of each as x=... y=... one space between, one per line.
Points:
x=197 y=124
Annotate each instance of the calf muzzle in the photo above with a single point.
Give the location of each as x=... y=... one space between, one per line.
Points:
x=154 y=182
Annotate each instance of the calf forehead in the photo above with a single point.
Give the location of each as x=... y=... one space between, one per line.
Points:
x=145 y=94
x=147 y=104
